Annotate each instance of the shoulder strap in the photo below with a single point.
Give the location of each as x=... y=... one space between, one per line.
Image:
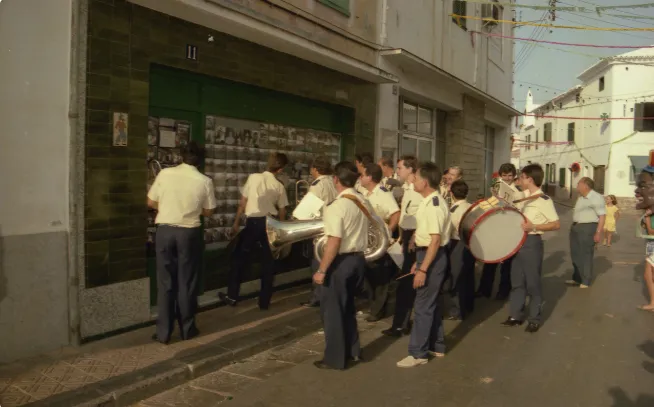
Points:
x=359 y=204
x=529 y=198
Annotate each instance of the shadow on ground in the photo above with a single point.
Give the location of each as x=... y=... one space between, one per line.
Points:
x=621 y=399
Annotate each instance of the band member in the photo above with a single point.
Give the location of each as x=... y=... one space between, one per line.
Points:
x=322 y=187
x=180 y=194
x=462 y=262
x=361 y=160
x=388 y=171
x=262 y=195
x=405 y=293
x=452 y=174
x=341 y=269
x=526 y=268
x=507 y=174
x=380 y=272
x=432 y=235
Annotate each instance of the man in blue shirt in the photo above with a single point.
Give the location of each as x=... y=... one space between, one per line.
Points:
x=587 y=225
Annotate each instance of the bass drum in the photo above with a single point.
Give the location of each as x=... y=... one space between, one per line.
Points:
x=492 y=230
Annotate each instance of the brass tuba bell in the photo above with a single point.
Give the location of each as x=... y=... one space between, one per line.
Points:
x=282 y=234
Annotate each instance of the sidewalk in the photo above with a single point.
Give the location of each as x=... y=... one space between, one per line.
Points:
x=129 y=367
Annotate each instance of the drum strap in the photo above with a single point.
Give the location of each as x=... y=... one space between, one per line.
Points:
x=529 y=198
x=360 y=205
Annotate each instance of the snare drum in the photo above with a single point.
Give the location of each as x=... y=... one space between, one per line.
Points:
x=492 y=230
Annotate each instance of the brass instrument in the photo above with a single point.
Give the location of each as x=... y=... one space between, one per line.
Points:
x=283 y=234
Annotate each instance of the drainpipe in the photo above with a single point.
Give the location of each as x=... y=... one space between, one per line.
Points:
x=384 y=16
x=76 y=105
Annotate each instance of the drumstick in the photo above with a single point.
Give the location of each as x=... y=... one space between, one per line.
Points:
x=403 y=275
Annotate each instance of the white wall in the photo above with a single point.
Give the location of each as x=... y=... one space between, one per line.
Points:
x=34 y=92
x=425 y=28
x=597 y=142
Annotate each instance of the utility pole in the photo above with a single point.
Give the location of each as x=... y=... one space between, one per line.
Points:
x=553 y=10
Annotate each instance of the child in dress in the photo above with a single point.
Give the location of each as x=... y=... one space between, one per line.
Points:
x=649 y=261
x=612 y=216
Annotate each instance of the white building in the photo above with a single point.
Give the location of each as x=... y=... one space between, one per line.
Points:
x=452 y=102
x=568 y=130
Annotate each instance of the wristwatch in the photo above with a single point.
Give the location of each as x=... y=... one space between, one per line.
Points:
x=320 y=272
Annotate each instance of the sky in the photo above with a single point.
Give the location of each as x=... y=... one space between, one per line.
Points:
x=548 y=72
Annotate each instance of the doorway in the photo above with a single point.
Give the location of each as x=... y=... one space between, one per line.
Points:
x=599 y=173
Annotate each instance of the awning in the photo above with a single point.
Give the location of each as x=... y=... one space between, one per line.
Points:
x=210 y=14
x=414 y=63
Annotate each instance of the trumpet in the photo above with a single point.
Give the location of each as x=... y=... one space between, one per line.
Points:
x=297 y=190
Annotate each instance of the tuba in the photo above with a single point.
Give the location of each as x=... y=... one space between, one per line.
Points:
x=281 y=234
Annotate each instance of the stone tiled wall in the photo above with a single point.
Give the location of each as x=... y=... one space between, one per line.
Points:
x=465 y=133
x=123 y=41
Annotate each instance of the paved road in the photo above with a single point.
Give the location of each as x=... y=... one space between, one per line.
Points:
x=594 y=350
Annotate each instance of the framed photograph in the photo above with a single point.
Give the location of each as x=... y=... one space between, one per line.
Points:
x=120 y=126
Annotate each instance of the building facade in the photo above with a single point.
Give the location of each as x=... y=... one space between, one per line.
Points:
x=596 y=129
x=124 y=84
x=452 y=102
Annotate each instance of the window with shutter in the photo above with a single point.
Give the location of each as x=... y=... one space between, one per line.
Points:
x=342 y=6
x=459 y=8
x=562 y=177
x=642 y=110
x=548 y=132
x=571 y=132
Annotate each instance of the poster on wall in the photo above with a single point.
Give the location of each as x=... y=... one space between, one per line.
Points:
x=120 y=126
x=237 y=148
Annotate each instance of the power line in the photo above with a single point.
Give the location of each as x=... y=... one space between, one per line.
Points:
x=606 y=22
x=569 y=27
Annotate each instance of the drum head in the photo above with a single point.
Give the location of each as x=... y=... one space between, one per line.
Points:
x=497 y=235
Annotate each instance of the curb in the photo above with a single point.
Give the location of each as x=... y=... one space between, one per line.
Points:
x=133 y=387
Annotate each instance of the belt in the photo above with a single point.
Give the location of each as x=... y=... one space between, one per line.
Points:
x=584 y=223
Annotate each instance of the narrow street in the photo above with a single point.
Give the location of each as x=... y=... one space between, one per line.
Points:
x=594 y=350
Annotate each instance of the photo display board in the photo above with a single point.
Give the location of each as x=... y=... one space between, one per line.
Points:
x=237 y=148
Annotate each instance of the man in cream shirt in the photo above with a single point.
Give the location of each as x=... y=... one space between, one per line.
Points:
x=262 y=195
x=380 y=272
x=405 y=293
x=322 y=187
x=527 y=265
x=342 y=269
x=431 y=238
x=180 y=194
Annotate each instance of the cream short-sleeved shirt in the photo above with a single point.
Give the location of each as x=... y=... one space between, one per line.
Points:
x=589 y=208
x=323 y=187
x=182 y=193
x=456 y=215
x=433 y=218
x=344 y=219
x=358 y=187
x=265 y=194
x=382 y=202
x=410 y=202
x=539 y=211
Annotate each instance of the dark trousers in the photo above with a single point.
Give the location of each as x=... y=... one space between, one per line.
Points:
x=378 y=280
x=253 y=240
x=462 y=275
x=428 y=333
x=179 y=256
x=405 y=294
x=526 y=272
x=582 y=251
x=488 y=279
x=343 y=279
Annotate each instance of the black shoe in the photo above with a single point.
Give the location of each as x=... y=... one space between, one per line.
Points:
x=354 y=361
x=322 y=365
x=264 y=307
x=155 y=338
x=479 y=294
x=501 y=297
x=229 y=301
x=532 y=327
x=454 y=318
x=393 y=332
x=194 y=332
x=512 y=322
x=373 y=318
x=309 y=304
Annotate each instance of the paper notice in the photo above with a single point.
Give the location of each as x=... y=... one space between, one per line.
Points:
x=167 y=139
x=395 y=251
x=309 y=207
x=506 y=193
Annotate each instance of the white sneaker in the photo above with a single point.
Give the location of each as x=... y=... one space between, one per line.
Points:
x=571 y=282
x=583 y=286
x=436 y=354
x=410 y=361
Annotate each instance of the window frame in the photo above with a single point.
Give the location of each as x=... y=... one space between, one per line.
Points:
x=536 y=141
x=571 y=126
x=342 y=6
x=462 y=22
x=416 y=135
x=640 y=125
x=547 y=132
x=602 y=84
